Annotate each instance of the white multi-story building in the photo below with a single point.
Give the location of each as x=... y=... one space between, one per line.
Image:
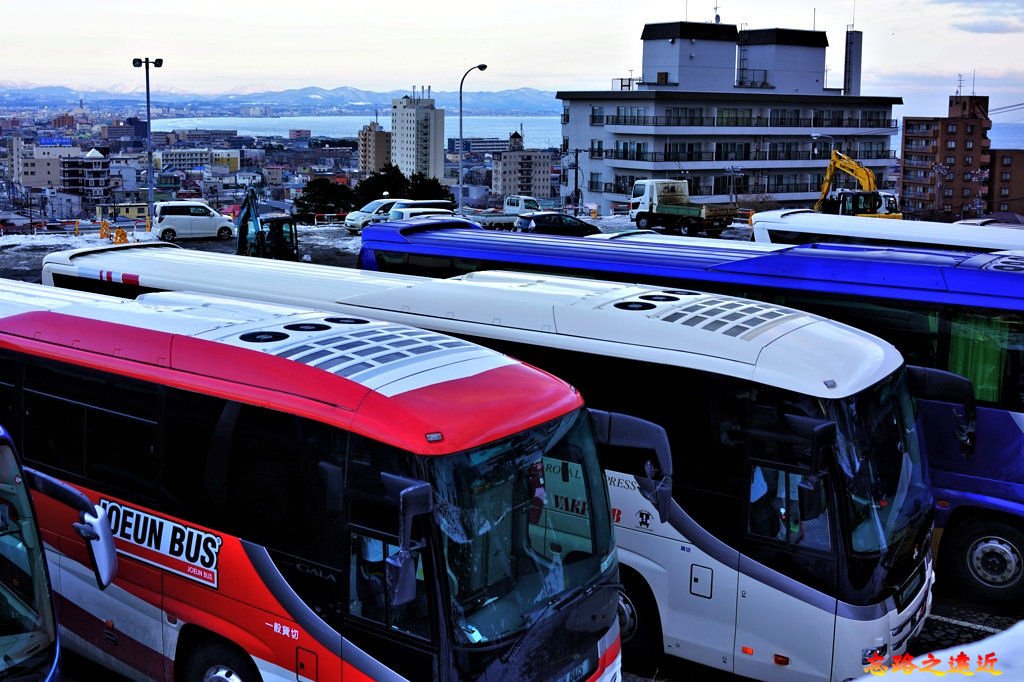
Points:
x=37 y=164
x=417 y=136
x=521 y=171
x=744 y=112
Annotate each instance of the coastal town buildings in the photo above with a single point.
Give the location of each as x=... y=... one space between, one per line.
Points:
x=521 y=171
x=946 y=161
x=374 y=147
x=1006 y=180
x=725 y=109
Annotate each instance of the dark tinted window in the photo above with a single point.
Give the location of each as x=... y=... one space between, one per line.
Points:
x=174 y=210
x=95 y=425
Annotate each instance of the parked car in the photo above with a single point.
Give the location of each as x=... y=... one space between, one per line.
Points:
x=553 y=222
x=444 y=204
x=355 y=221
x=416 y=212
x=190 y=219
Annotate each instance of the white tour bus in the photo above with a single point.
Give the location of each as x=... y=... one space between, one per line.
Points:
x=791 y=542
x=804 y=226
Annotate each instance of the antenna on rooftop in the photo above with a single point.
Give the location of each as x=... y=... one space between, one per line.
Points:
x=959 y=84
x=853 y=18
x=718 y=19
x=974 y=78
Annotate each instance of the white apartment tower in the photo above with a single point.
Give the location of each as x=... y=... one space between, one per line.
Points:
x=374 y=148
x=725 y=109
x=417 y=136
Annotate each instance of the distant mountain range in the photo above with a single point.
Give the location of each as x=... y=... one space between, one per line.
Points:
x=311 y=100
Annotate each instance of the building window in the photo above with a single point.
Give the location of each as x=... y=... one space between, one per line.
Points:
x=662 y=78
x=1005 y=175
x=950 y=160
x=1004 y=191
x=970 y=128
x=1004 y=206
x=951 y=128
x=947 y=192
x=968 y=160
x=1007 y=160
x=967 y=191
x=969 y=144
x=950 y=144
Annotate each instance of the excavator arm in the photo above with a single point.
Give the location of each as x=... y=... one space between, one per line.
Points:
x=248 y=223
x=839 y=161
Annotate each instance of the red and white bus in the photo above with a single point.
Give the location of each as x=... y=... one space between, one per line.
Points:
x=296 y=495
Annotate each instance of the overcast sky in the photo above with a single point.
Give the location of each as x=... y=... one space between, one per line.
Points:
x=912 y=48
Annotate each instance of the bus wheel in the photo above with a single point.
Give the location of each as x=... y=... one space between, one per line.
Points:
x=216 y=662
x=639 y=625
x=644 y=222
x=988 y=560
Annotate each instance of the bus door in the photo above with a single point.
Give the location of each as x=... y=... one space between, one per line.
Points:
x=788 y=566
x=402 y=636
x=117 y=453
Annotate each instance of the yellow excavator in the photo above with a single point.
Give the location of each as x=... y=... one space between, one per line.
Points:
x=868 y=201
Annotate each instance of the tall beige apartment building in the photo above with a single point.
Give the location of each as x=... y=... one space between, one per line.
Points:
x=374 y=148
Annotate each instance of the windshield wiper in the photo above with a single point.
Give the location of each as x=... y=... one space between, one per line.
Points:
x=558 y=602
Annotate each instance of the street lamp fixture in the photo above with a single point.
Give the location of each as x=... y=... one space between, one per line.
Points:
x=462 y=151
x=157 y=63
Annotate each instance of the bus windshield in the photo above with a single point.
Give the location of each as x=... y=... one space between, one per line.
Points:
x=880 y=465
x=27 y=634
x=524 y=520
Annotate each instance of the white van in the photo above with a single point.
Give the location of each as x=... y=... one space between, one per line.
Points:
x=415 y=212
x=190 y=219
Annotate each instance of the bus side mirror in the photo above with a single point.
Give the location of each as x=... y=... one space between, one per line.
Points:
x=927 y=383
x=820 y=434
x=94 y=528
x=623 y=430
x=93 y=525
x=414 y=498
x=810 y=498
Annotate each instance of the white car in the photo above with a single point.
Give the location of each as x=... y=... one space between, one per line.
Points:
x=190 y=219
x=416 y=212
x=355 y=221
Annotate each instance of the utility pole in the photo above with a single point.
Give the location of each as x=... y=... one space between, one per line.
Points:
x=576 y=182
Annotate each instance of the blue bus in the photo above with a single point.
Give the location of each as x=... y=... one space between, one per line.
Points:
x=960 y=312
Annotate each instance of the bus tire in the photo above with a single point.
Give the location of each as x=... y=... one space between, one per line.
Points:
x=168 y=235
x=644 y=221
x=987 y=560
x=217 y=662
x=640 y=626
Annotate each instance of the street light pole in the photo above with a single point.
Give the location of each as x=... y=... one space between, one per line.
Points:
x=462 y=151
x=157 y=63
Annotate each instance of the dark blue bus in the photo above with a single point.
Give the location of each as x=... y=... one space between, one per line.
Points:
x=960 y=312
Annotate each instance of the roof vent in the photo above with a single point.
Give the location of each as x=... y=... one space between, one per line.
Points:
x=660 y=298
x=263 y=337
x=345 y=320
x=635 y=305
x=307 y=327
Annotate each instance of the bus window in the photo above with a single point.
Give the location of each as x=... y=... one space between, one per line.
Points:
x=775 y=508
x=368 y=592
x=988 y=348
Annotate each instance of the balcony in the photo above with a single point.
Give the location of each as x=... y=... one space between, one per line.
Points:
x=739 y=122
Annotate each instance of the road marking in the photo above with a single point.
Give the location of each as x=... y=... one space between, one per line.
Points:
x=965 y=624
